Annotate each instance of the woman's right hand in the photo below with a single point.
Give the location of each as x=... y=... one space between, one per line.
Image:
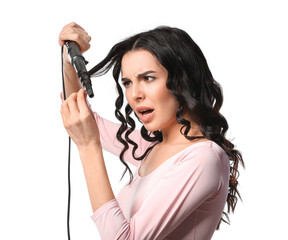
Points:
x=74 y=32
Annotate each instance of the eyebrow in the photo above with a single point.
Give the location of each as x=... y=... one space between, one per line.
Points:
x=140 y=75
x=145 y=73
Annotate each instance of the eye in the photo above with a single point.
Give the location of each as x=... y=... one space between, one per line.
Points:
x=148 y=78
x=126 y=83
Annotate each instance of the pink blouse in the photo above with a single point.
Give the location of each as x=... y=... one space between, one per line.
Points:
x=182 y=199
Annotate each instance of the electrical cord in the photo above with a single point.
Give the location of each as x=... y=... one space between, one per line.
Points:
x=69 y=153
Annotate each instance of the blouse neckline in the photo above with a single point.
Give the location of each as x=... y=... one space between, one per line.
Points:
x=169 y=159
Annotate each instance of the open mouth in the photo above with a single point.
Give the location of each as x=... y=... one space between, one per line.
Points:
x=146 y=112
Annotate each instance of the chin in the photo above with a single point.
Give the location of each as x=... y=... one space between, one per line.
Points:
x=151 y=128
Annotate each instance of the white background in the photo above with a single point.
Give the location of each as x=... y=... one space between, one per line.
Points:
x=245 y=43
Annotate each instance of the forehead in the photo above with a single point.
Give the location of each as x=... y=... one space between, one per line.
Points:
x=137 y=61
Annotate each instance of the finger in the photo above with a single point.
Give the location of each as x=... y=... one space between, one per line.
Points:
x=72 y=24
x=84 y=43
x=63 y=33
x=79 y=37
x=82 y=103
x=65 y=113
x=73 y=105
x=70 y=29
x=75 y=32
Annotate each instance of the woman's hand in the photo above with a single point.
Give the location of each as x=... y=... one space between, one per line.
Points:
x=81 y=125
x=74 y=32
x=79 y=121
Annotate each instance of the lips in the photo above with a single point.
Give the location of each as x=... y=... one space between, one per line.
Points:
x=145 y=113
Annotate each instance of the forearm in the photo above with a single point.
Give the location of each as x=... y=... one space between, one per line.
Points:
x=72 y=84
x=98 y=184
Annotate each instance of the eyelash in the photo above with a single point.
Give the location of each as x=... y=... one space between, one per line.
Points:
x=145 y=78
x=126 y=83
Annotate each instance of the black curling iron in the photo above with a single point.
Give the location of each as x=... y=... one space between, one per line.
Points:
x=79 y=63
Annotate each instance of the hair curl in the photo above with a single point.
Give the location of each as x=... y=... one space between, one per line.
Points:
x=190 y=82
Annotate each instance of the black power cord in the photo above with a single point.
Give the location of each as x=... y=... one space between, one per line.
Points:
x=79 y=62
x=69 y=153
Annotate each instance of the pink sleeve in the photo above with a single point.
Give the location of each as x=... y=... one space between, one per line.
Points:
x=110 y=143
x=180 y=191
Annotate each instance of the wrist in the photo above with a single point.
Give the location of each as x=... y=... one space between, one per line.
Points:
x=90 y=151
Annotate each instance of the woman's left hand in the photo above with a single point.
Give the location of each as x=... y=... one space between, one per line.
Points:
x=79 y=121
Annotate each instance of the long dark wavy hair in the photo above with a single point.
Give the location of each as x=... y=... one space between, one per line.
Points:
x=190 y=82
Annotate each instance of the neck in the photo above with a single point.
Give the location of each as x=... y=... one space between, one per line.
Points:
x=173 y=136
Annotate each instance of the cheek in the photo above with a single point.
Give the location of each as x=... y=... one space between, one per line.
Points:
x=128 y=97
x=172 y=105
x=169 y=104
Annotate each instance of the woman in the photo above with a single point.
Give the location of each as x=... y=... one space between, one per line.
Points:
x=185 y=167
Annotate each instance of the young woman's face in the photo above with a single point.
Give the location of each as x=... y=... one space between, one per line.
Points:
x=145 y=81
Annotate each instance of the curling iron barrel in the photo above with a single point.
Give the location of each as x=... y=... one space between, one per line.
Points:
x=79 y=63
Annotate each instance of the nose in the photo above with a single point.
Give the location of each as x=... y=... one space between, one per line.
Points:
x=137 y=92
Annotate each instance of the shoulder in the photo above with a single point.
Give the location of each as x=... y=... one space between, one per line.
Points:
x=203 y=155
x=205 y=163
x=207 y=149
